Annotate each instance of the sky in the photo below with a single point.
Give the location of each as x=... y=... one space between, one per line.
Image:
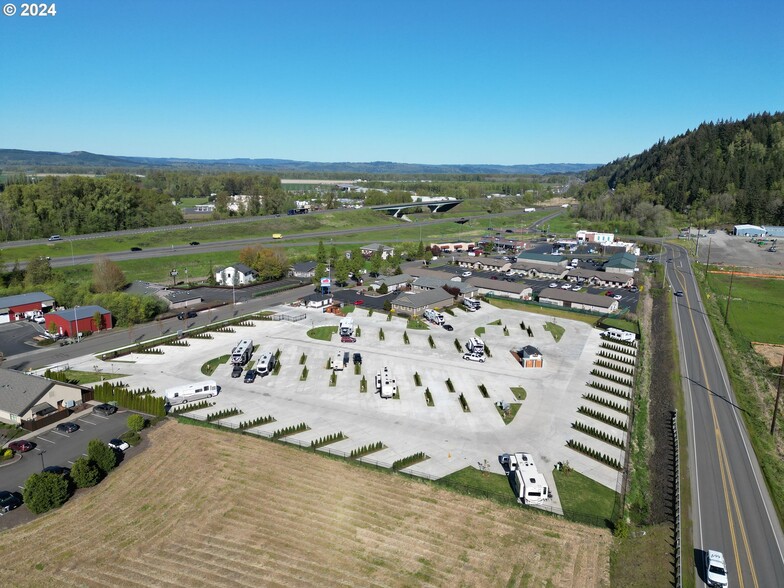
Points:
x=426 y=81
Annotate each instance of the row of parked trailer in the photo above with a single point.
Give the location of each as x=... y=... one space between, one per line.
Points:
x=529 y=485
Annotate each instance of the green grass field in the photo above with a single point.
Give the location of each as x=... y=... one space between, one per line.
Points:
x=580 y=494
x=756 y=309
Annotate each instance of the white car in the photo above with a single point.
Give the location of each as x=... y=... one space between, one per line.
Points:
x=553 y=285
x=566 y=287
x=474 y=357
x=118 y=444
x=715 y=569
x=466 y=274
x=576 y=288
x=617 y=297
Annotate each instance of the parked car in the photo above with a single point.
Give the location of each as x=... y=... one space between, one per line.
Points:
x=66 y=427
x=357 y=359
x=236 y=371
x=576 y=288
x=8 y=501
x=250 y=376
x=194 y=242
x=448 y=327
x=715 y=569
x=679 y=293
x=105 y=409
x=186 y=315
x=553 y=285
x=136 y=248
x=566 y=287
x=609 y=293
x=118 y=444
x=56 y=470
x=617 y=297
x=466 y=274
x=634 y=289
x=21 y=446
x=474 y=357
x=347 y=339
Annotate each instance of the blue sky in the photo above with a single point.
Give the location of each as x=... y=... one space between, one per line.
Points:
x=504 y=82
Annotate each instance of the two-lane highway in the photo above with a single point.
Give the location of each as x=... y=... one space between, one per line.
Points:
x=731 y=507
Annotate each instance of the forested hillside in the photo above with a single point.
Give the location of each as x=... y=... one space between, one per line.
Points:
x=76 y=204
x=729 y=171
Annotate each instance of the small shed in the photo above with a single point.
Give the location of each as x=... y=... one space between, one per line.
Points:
x=530 y=357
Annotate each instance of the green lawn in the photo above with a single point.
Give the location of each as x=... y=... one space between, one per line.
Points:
x=555 y=330
x=322 y=333
x=757 y=306
x=471 y=481
x=415 y=323
x=513 y=408
x=580 y=495
x=519 y=392
x=556 y=312
x=622 y=324
x=209 y=368
x=81 y=377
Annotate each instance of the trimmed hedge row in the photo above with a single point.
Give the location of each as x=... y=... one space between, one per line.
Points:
x=449 y=385
x=140 y=400
x=598 y=456
x=333 y=438
x=223 y=330
x=176 y=343
x=630 y=360
x=188 y=407
x=610 y=390
x=600 y=416
x=483 y=391
x=365 y=449
x=203 y=335
x=598 y=434
x=400 y=464
x=464 y=403
x=458 y=346
x=225 y=413
x=625 y=350
x=417 y=379
x=429 y=397
x=629 y=371
x=292 y=430
x=431 y=342
x=613 y=378
x=256 y=422
x=607 y=403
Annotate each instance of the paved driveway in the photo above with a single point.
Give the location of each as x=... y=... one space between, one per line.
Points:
x=17 y=337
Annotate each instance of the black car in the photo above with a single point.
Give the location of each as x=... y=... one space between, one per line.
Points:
x=8 y=501
x=250 y=376
x=358 y=359
x=105 y=409
x=56 y=470
x=186 y=315
x=236 y=372
x=66 y=427
x=194 y=243
x=136 y=248
x=448 y=327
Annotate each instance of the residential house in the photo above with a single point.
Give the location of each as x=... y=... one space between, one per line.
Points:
x=393 y=283
x=305 y=269
x=26 y=399
x=238 y=274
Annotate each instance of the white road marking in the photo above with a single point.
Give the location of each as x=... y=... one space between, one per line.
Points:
x=47 y=440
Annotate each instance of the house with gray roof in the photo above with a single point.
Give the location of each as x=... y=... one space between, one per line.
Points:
x=578 y=300
x=542 y=258
x=426 y=283
x=238 y=274
x=369 y=250
x=415 y=303
x=483 y=263
x=396 y=282
x=305 y=269
x=25 y=399
x=599 y=278
x=547 y=271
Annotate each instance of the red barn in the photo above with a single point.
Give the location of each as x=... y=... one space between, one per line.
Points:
x=79 y=320
x=13 y=308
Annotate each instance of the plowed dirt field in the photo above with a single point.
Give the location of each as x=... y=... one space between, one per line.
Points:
x=205 y=508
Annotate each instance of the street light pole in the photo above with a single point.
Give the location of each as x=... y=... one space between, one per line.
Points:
x=778 y=395
x=42 y=458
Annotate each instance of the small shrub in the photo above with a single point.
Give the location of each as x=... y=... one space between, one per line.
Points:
x=333 y=379
x=417 y=379
x=431 y=342
x=464 y=403
x=405 y=337
x=381 y=334
x=429 y=397
x=449 y=385
x=136 y=422
x=483 y=391
x=458 y=346
x=304 y=375
x=85 y=473
x=303 y=358
x=101 y=455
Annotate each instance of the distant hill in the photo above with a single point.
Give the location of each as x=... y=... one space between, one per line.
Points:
x=49 y=161
x=730 y=168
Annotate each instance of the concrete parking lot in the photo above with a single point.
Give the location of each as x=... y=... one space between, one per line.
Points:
x=737 y=251
x=452 y=438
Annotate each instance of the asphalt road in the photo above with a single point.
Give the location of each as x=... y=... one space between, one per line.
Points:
x=731 y=507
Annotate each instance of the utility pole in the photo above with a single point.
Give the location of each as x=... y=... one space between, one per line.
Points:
x=707 y=263
x=778 y=394
x=663 y=263
x=729 y=297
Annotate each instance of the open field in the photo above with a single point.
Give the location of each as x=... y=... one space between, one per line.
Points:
x=264 y=514
x=757 y=307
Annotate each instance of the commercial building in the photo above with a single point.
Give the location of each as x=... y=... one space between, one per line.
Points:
x=578 y=300
x=414 y=304
x=595 y=237
x=13 y=308
x=621 y=263
x=306 y=269
x=81 y=319
x=368 y=250
x=749 y=231
x=33 y=401
x=529 y=357
x=513 y=290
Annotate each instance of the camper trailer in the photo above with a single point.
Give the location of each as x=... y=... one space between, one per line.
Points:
x=619 y=335
x=346 y=328
x=471 y=304
x=434 y=317
x=265 y=363
x=337 y=361
x=241 y=354
x=386 y=386
x=530 y=486
x=191 y=392
x=475 y=346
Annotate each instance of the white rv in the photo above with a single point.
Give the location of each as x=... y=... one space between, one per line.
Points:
x=434 y=317
x=337 y=362
x=620 y=335
x=191 y=392
x=530 y=487
x=266 y=363
x=386 y=386
x=241 y=354
x=475 y=346
x=346 y=328
x=471 y=304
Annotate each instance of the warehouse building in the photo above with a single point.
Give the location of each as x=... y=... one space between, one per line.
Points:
x=13 y=308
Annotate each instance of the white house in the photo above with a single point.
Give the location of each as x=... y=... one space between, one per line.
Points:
x=238 y=274
x=594 y=237
x=369 y=250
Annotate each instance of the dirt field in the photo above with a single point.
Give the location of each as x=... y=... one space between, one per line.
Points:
x=771 y=353
x=206 y=508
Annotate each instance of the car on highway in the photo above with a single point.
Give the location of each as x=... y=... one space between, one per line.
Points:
x=250 y=376
x=8 y=501
x=21 y=445
x=678 y=293
x=56 y=470
x=448 y=327
x=105 y=409
x=236 y=371
x=474 y=357
x=136 y=248
x=715 y=569
x=194 y=243
x=55 y=238
x=66 y=428
x=118 y=445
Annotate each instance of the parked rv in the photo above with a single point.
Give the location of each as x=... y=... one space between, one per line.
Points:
x=191 y=392
x=337 y=362
x=386 y=386
x=346 y=328
x=434 y=317
x=242 y=353
x=475 y=345
x=266 y=363
x=619 y=335
x=471 y=304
